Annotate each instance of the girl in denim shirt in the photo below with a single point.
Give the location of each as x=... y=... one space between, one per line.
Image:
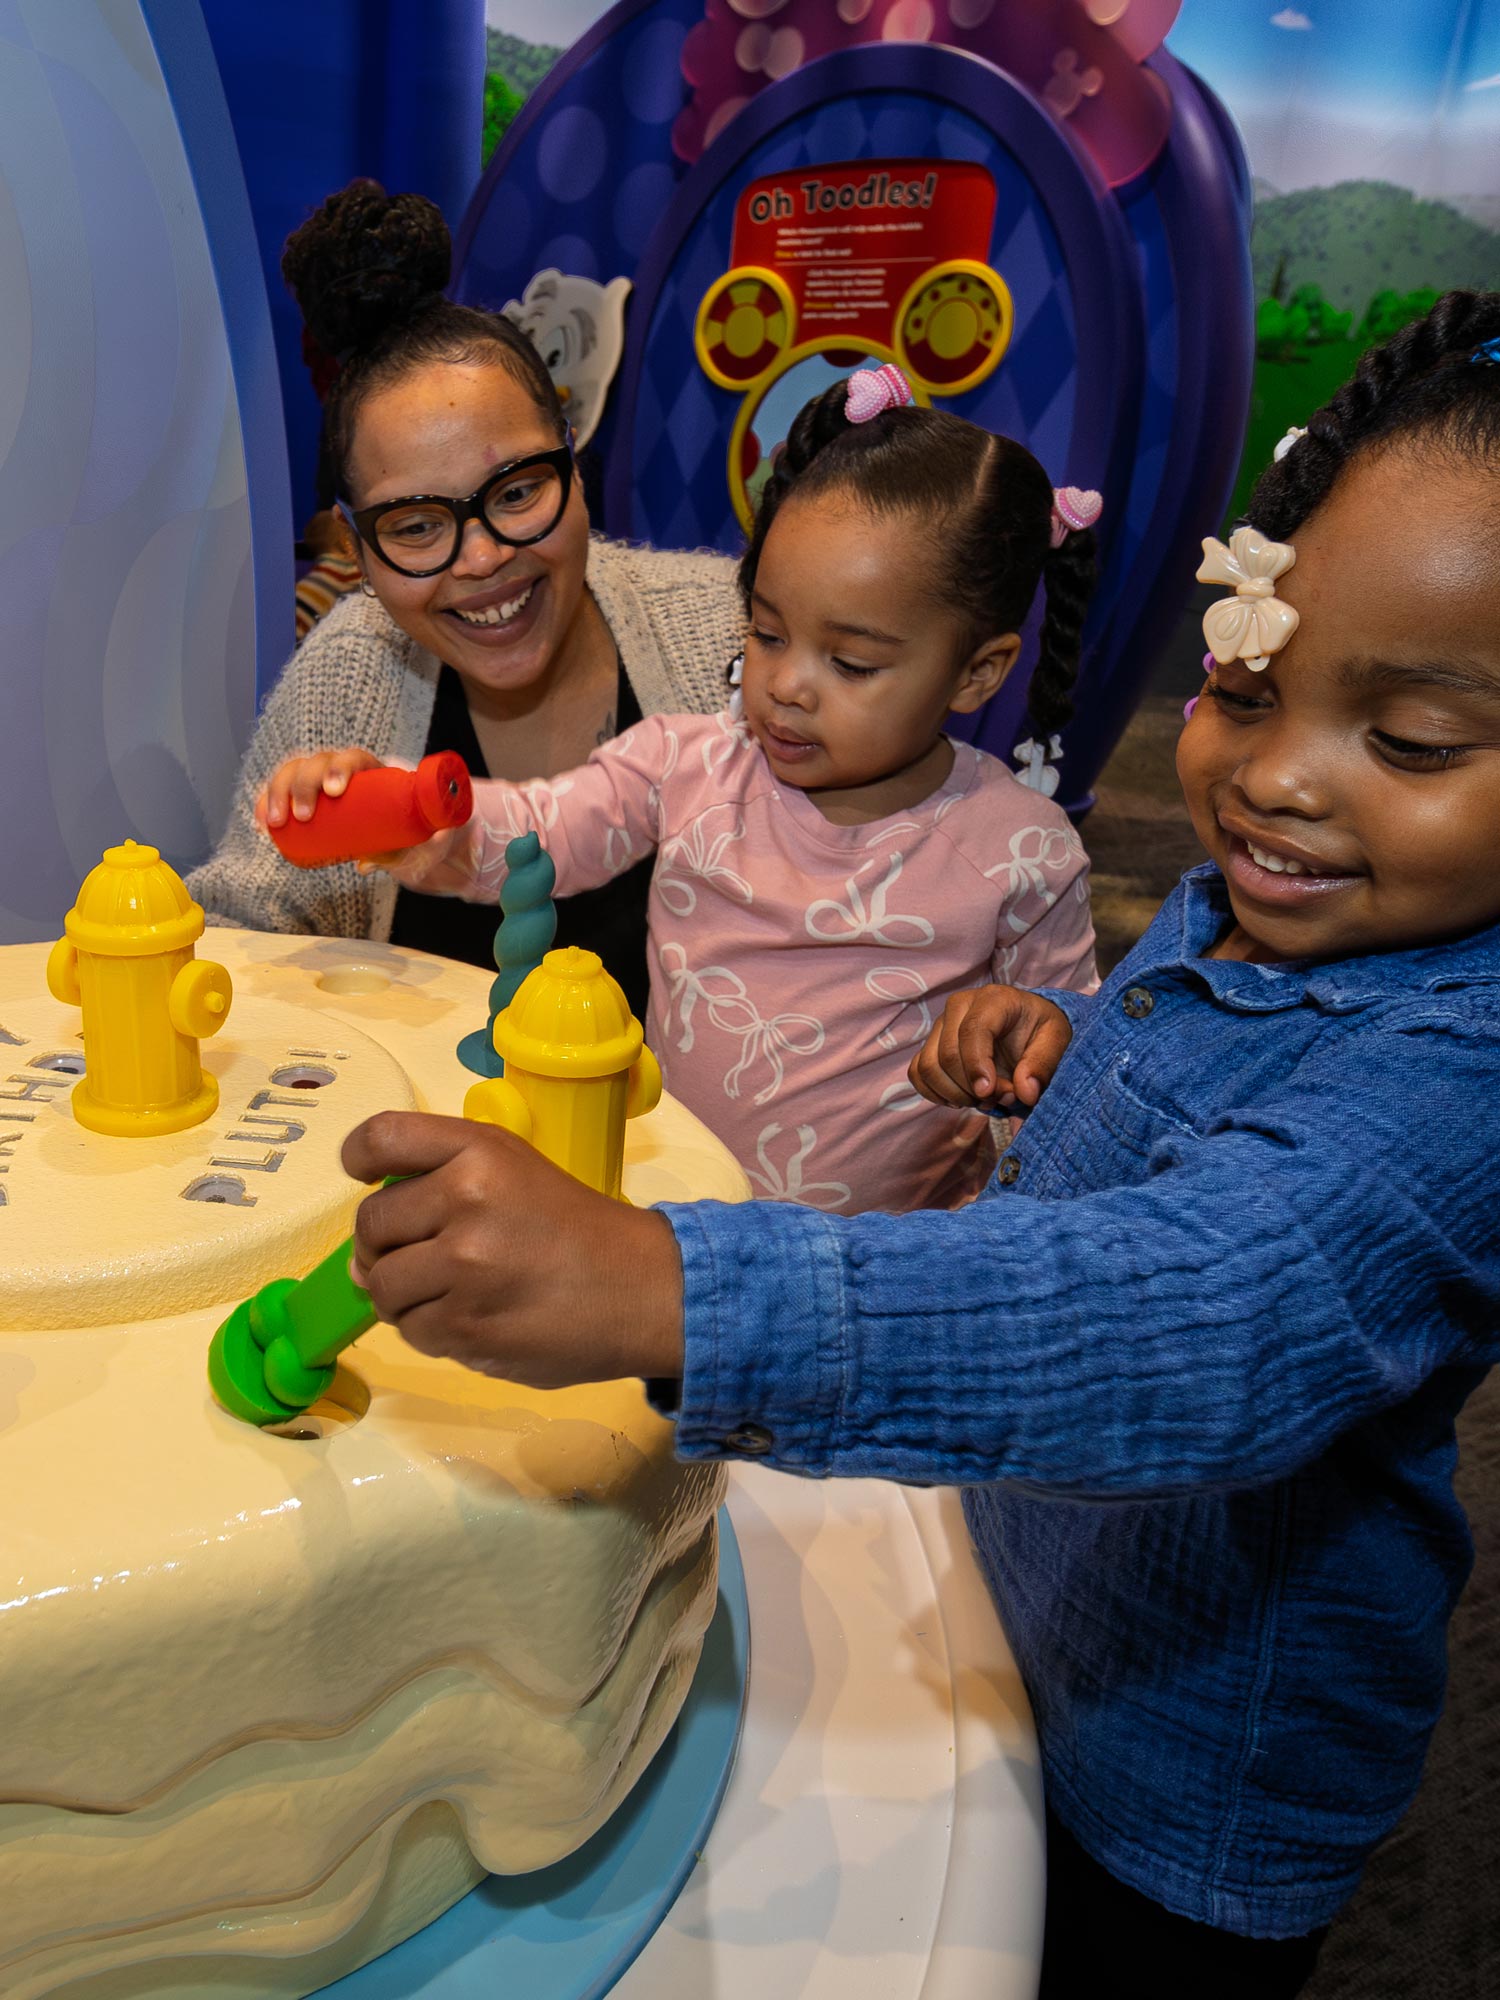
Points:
x=1197 y=1353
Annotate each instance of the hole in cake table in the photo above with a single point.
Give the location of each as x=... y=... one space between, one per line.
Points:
x=302 y=1076
x=69 y=1061
x=343 y=1403
x=226 y=1188
x=353 y=979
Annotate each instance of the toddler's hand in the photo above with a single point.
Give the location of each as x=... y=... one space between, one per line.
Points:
x=294 y=788
x=997 y=1046
x=497 y=1259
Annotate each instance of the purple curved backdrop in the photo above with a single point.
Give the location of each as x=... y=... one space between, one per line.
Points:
x=1129 y=369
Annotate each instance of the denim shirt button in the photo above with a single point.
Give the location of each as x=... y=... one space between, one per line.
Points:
x=1008 y=1171
x=752 y=1440
x=1138 y=1002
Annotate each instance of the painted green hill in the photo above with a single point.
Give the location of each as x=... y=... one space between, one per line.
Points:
x=522 y=64
x=1364 y=237
x=513 y=69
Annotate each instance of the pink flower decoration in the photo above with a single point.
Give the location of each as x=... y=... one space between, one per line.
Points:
x=1083 y=59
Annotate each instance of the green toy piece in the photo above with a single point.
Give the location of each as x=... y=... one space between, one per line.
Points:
x=274 y=1354
x=528 y=926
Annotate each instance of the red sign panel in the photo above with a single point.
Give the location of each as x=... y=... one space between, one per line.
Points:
x=850 y=241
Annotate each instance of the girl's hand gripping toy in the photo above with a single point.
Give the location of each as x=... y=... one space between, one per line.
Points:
x=576 y=1069
x=275 y=1353
x=380 y=812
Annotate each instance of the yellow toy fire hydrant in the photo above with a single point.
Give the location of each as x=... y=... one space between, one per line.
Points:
x=128 y=961
x=576 y=1067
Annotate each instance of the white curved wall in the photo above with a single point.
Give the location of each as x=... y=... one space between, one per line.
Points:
x=128 y=623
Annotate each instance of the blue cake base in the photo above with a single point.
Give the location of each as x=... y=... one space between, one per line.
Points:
x=568 y=1932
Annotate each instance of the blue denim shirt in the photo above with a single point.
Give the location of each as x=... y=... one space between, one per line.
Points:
x=1197 y=1355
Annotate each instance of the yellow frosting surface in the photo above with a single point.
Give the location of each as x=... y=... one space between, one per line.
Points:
x=269 y=1703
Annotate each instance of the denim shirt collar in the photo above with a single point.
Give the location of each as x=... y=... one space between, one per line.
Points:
x=1198 y=909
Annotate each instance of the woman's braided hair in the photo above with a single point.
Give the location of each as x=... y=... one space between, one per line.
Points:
x=1420 y=386
x=367 y=270
x=986 y=505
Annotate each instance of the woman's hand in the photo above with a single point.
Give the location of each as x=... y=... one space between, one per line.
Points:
x=997 y=1046
x=497 y=1259
x=294 y=788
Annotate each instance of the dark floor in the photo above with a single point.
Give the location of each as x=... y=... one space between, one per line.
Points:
x=1426 y=1922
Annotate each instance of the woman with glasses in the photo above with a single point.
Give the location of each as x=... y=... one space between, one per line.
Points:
x=488 y=620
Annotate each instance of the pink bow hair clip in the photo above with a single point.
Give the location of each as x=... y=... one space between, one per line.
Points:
x=1074 y=508
x=875 y=389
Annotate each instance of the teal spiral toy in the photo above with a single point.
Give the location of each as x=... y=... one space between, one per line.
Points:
x=528 y=924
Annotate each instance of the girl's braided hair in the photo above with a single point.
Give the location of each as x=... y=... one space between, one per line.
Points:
x=367 y=270
x=1420 y=386
x=987 y=507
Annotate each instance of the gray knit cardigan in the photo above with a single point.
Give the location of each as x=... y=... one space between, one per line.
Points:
x=358 y=678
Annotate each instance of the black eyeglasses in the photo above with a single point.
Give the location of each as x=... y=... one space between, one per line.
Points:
x=517 y=505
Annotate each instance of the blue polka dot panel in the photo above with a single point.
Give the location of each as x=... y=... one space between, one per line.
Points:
x=1042 y=219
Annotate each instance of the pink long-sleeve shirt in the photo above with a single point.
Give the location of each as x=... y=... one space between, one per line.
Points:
x=796 y=966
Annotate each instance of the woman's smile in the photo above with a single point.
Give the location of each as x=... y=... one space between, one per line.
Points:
x=491 y=615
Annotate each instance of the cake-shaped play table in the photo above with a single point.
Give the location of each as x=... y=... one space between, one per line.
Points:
x=273 y=1700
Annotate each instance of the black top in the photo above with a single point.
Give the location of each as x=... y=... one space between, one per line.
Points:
x=610 y=919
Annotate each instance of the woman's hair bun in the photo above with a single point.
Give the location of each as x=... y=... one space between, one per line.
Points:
x=363 y=262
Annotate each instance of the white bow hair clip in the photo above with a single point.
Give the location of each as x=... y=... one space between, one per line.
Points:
x=1254 y=623
x=1036 y=764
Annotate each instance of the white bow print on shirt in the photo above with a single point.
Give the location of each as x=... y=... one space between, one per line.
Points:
x=844 y=923
x=732 y=733
x=1037 y=853
x=787 y=1184
x=731 y=1010
x=700 y=850
x=905 y=985
x=508 y=818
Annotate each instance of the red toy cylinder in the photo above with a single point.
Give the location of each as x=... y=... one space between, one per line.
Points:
x=379 y=812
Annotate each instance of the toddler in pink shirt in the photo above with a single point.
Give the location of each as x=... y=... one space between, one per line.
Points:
x=797 y=964
x=831 y=867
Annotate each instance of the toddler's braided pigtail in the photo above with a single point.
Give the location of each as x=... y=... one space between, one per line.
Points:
x=1069 y=574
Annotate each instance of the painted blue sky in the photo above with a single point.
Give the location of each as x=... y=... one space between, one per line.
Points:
x=1378 y=55
x=1328 y=90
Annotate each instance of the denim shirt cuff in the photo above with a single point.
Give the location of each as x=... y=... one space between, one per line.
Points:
x=1079 y=1007
x=746 y=1269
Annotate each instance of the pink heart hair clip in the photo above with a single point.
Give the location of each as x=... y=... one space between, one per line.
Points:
x=1074 y=508
x=872 y=390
